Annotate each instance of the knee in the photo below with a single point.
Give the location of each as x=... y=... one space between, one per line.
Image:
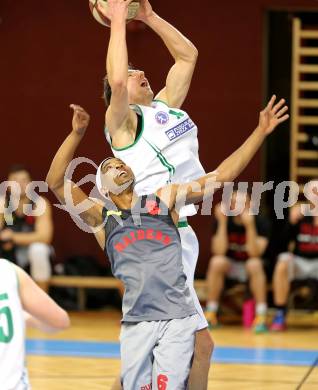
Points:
x=282 y=265
x=254 y=266
x=218 y=264
x=204 y=345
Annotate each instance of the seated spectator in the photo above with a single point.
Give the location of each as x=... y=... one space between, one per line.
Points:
x=299 y=263
x=26 y=239
x=238 y=245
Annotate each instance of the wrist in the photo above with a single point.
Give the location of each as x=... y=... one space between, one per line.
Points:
x=79 y=133
x=118 y=22
x=261 y=131
x=150 y=19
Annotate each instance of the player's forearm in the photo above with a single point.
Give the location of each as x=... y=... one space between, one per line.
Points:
x=30 y=238
x=230 y=168
x=117 y=55
x=252 y=247
x=219 y=245
x=33 y=322
x=180 y=47
x=56 y=175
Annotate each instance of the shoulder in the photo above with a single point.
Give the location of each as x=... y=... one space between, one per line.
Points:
x=295 y=214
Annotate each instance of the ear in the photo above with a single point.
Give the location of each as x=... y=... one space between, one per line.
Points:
x=105 y=192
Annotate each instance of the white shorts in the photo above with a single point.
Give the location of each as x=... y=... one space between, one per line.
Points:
x=23 y=383
x=300 y=268
x=237 y=270
x=157 y=354
x=190 y=253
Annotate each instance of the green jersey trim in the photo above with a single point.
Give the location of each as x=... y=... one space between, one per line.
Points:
x=182 y=224
x=137 y=139
x=161 y=101
x=171 y=169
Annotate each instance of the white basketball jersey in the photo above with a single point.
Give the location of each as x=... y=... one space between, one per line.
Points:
x=165 y=151
x=12 y=331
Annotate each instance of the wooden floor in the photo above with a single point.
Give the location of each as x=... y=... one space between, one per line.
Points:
x=66 y=373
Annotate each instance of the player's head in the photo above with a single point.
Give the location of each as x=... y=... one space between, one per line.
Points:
x=114 y=177
x=21 y=175
x=139 y=90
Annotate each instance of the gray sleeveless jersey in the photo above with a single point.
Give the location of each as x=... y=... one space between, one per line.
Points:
x=144 y=250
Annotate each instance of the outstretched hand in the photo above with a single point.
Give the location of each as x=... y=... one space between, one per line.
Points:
x=80 y=119
x=144 y=11
x=114 y=8
x=273 y=115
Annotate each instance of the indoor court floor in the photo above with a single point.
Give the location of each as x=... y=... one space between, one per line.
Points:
x=87 y=356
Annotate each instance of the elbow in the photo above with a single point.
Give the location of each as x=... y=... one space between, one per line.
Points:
x=118 y=86
x=50 y=181
x=62 y=321
x=53 y=184
x=194 y=54
x=226 y=176
x=46 y=240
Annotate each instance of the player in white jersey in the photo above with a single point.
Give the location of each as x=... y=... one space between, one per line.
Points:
x=156 y=138
x=22 y=301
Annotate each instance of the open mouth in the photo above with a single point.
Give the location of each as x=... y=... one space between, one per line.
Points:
x=122 y=173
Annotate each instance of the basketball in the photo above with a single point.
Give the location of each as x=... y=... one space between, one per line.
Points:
x=100 y=18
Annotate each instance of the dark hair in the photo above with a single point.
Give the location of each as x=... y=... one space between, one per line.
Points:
x=107 y=88
x=17 y=168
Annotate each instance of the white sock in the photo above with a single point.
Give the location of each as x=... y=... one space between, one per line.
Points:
x=212 y=306
x=261 y=309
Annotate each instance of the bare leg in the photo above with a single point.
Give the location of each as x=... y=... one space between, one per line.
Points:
x=257 y=279
x=281 y=283
x=117 y=384
x=218 y=267
x=203 y=349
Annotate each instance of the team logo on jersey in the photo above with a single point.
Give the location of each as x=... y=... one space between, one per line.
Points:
x=162 y=117
x=153 y=207
x=180 y=129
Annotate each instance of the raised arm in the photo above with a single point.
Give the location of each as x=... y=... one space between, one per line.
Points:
x=182 y=50
x=230 y=168
x=56 y=177
x=118 y=115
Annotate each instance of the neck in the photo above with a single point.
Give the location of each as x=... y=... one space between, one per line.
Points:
x=145 y=101
x=125 y=200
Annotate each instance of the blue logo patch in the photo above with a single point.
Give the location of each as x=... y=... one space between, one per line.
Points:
x=182 y=128
x=162 y=117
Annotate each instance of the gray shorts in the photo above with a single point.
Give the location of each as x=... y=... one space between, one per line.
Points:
x=300 y=268
x=157 y=355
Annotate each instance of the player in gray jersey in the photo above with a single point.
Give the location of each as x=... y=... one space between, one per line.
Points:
x=138 y=233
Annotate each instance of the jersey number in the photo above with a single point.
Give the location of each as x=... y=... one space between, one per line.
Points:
x=162 y=381
x=5 y=314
